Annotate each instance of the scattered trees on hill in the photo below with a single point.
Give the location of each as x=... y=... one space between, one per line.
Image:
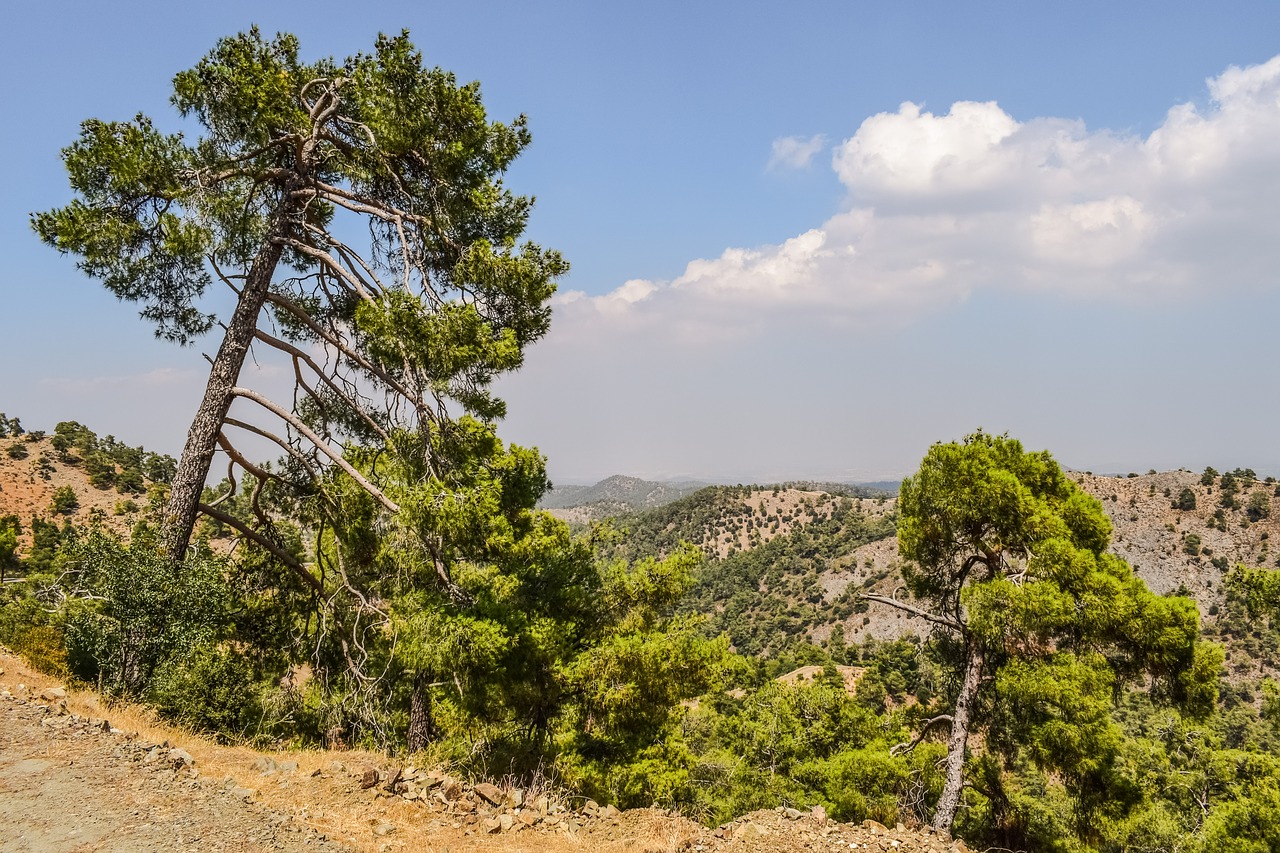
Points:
x=293 y=157
x=1006 y=558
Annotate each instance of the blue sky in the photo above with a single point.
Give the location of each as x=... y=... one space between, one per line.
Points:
x=807 y=239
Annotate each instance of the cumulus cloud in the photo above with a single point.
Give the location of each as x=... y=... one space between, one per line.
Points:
x=795 y=152
x=940 y=206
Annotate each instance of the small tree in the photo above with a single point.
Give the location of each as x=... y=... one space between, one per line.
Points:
x=1006 y=558
x=1186 y=500
x=1258 y=507
x=64 y=501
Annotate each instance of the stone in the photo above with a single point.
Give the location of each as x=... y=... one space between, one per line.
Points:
x=529 y=818
x=288 y=766
x=590 y=807
x=874 y=826
x=369 y=778
x=491 y=793
x=793 y=814
x=384 y=829
x=492 y=826
x=506 y=821
x=609 y=812
x=181 y=758
x=819 y=815
x=515 y=798
x=264 y=765
x=245 y=794
x=53 y=694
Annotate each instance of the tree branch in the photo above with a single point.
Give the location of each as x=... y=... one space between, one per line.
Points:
x=274 y=549
x=899 y=749
x=319 y=444
x=915 y=611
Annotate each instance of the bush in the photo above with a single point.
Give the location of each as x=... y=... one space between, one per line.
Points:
x=208 y=688
x=65 y=501
x=1186 y=500
x=17 y=451
x=1258 y=507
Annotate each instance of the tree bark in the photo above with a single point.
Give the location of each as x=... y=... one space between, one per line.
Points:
x=959 y=740
x=421 y=728
x=202 y=439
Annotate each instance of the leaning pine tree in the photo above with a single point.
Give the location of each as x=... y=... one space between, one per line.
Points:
x=293 y=162
x=1007 y=559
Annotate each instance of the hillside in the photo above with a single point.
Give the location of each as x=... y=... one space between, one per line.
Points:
x=786 y=564
x=110 y=481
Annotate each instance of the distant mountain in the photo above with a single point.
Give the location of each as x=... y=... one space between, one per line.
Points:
x=613 y=496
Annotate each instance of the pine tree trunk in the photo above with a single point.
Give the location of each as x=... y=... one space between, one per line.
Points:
x=202 y=439
x=958 y=741
x=421 y=730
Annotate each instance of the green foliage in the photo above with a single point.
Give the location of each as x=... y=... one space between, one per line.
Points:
x=1011 y=557
x=65 y=501
x=139 y=613
x=1186 y=500
x=1258 y=506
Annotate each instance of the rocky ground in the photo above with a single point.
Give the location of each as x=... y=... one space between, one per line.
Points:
x=76 y=776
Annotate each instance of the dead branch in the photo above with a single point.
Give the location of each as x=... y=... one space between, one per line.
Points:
x=271 y=547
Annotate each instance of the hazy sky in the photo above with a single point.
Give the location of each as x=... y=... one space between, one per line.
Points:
x=808 y=239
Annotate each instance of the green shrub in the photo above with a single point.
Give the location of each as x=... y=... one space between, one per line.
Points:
x=209 y=688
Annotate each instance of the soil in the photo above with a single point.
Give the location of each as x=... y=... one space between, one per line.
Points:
x=77 y=776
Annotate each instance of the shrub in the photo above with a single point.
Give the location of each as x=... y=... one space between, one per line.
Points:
x=1186 y=500
x=1258 y=507
x=65 y=501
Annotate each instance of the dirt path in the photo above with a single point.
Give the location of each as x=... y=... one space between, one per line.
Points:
x=66 y=785
x=71 y=782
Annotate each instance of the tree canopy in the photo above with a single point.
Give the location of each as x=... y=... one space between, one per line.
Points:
x=294 y=159
x=1007 y=558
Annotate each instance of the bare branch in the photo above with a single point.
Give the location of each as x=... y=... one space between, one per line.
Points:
x=899 y=749
x=271 y=547
x=915 y=611
x=319 y=443
x=333 y=340
x=289 y=448
x=297 y=353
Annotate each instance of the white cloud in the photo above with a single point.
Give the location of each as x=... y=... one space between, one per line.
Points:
x=795 y=152
x=944 y=205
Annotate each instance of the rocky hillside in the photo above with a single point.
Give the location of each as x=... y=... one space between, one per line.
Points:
x=86 y=487
x=787 y=564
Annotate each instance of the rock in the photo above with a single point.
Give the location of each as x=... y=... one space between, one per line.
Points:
x=264 y=765
x=369 y=778
x=543 y=805
x=245 y=794
x=590 y=807
x=608 y=812
x=506 y=821
x=820 y=815
x=491 y=793
x=451 y=788
x=528 y=818
x=181 y=758
x=793 y=814
x=384 y=829
x=515 y=798
x=492 y=826
x=53 y=694
x=337 y=767
x=288 y=766
x=874 y=826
